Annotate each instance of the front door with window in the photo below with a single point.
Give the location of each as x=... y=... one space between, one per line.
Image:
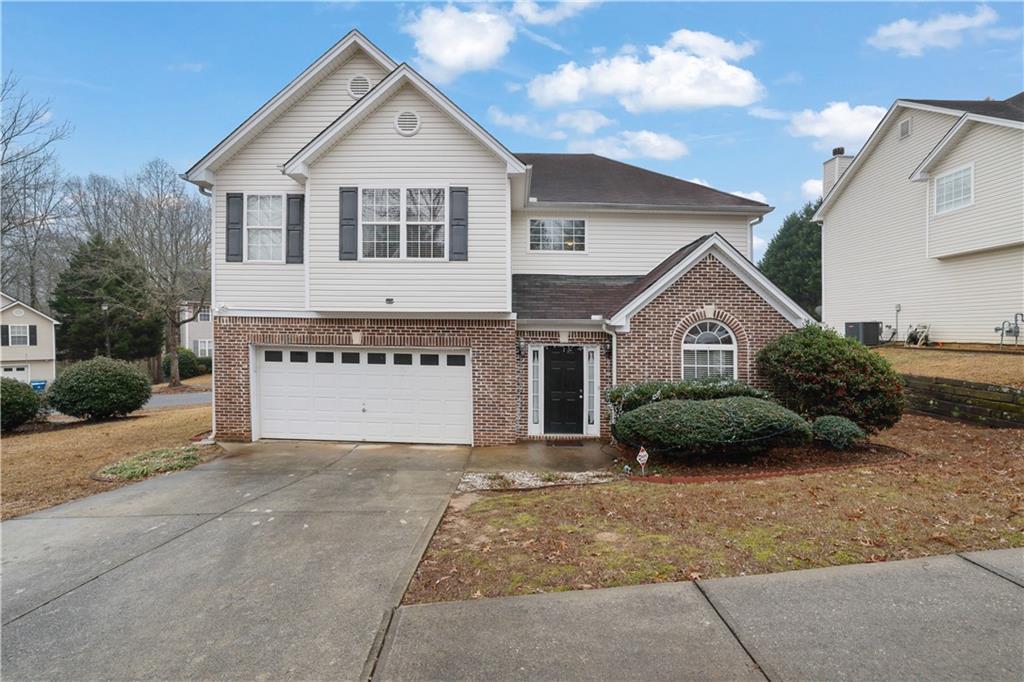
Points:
x=563 y=389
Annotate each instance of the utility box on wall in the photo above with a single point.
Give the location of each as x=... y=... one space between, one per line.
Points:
x=867 y=333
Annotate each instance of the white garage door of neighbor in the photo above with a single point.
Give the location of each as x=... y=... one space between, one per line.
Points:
x=386 y=395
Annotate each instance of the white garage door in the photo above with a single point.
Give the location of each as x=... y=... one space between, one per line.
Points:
x=388 y=395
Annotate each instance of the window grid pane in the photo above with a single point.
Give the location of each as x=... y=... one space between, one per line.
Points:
x=425 y=220
x=535 y=387
x=591 y=362
x=953 y=190
x=558 y=234
x=264 y=244
x=709 y=349
x=19 y=335
x=382 y=216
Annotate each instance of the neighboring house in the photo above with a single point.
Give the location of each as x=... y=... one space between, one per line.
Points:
x=384 y=269
x=197 y=334
x=929 y=216
x=27 y=342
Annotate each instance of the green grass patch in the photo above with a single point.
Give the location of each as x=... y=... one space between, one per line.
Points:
x=153 y=462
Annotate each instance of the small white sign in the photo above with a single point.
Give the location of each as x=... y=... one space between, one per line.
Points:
x=641 y=457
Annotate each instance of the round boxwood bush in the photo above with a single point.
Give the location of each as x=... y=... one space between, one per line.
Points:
x=99 y=388
x=839 y=433
x=627 y=397
x=722 y=426
x=18 y=403
x=205 y=364
x=815 y=372
x=188 y=365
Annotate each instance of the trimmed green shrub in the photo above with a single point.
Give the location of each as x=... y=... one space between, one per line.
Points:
x=815 y=372
x=720 y=426
x=627 y=397
x=205 y=364
x=99 y=388
x=839 y=433
x=188 y=365
x=18 y=403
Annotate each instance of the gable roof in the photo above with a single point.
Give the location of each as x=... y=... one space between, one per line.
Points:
x=298 y=166
x=599 y=181
x=341 y=51
x=15 y=303
x=1011 y=108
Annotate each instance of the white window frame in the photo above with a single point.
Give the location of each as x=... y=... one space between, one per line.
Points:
x=734 y=347
x=535 y=398
x=245 y=226
x=529 y=241
x=935 y=189
x=403 y=223
x=204 y=314
x=10 y=331
x=204 y=348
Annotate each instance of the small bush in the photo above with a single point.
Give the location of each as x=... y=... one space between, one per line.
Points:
x=725 y=425
x=188 y=365
x=154 y=462
x=815 y=372
x=18 y=403
x=99 y=388
x=839 y=433
x=627 y=397
x=205 y=364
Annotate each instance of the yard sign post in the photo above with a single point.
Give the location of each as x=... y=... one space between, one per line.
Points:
x=641 y=458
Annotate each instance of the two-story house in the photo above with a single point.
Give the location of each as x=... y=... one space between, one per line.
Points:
x=385 y=269
x=197 y=333
x=925 y=226
x=28 y=341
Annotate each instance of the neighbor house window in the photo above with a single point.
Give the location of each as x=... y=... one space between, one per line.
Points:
x=19 y=334
x=424 y=223
x=264 y=227
x=204 y=348
x=709 y=349
x=403 y=223
x=558 y=234
x=954 y=190
x=204 y=314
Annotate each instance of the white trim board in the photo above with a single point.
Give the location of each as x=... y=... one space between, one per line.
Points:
x=537 y=430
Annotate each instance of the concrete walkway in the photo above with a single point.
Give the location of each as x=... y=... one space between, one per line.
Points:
x=939 y=618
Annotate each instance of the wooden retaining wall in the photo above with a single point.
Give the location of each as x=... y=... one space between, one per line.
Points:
x=991 y=405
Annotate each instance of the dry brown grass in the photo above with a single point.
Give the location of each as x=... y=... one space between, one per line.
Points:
x=203 y=382
x=985 y=368
x=39 y=469
x=961 y=491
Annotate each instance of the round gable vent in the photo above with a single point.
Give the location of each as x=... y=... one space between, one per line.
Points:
x=358 y=86
x=407 y=123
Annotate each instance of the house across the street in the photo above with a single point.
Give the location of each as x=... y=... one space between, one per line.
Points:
x=385 y=269
x=197 y=333
x=925 y=226
x=27 y=343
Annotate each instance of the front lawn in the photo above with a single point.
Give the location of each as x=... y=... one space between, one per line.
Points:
x=961 y=491
x=53 y=463
x=203 y=382
x=986 y=368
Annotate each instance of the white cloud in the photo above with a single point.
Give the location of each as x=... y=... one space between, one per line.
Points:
x=811 y=189
x=188 y=67
x=753 y=196
x=523 y=124
x=767 y=113
x=631 y=144
x=543 y=40
x=837 y=124
x=790 y=78
x=700 y=181
x=911 y=38
x=552 y=13
x=450 y=41
x=585 y=121
x=690 y=71
x=513 y=87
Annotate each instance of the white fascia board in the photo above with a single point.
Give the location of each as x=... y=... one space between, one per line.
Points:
x=402 y=75
x=737 y=264
x=16 y=304
x=240 y=135
x=921 y=173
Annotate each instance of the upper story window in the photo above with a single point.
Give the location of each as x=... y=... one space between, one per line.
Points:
x=204 y=315
x=558 y=234
x=709 y=349
x=19 y=334
x=264 y=227
x=403 y=223
x=954 y=189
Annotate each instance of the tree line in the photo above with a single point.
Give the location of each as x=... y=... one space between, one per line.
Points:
x=112 y=259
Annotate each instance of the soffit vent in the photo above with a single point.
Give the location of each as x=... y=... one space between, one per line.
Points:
x=407 y=123
x=358 y=86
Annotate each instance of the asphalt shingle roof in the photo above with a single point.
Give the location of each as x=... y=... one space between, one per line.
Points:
x=1011 y=108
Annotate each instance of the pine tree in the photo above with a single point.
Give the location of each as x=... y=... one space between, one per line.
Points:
x=793 y=258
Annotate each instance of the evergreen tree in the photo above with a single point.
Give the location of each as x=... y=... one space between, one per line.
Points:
x=102 y=307
x=793 y=258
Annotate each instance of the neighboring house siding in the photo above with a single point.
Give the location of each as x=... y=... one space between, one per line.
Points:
x=441 y=154
x=39 y=357
x=619 y=242
x=874 y=251
x=997 y=216
x=255 y=169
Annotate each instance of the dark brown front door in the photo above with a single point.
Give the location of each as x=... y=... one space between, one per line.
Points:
x=563 y=389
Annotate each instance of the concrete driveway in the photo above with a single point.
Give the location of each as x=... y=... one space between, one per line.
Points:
x=283 y=560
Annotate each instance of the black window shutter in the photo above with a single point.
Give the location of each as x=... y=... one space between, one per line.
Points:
x=458 y=249
x=296 y=205
x=233 y=243
x=32 y=338
x=348 y=208
x=5 y=335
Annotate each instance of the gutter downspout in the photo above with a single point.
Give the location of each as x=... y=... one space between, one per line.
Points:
x=615 y=353
x=750 y=235
x=202 y=190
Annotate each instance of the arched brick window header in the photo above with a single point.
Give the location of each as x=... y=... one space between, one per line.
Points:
x=712 y=313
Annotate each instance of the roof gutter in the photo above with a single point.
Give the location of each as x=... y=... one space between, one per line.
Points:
x=203 y=189
x=675 y=208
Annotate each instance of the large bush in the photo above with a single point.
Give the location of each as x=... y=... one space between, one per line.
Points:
x=627 y=397
x=816 y=372
x=724 y=425
x=205 y=364
x=188 y=365
x=839 y=433
x=99 y=388
x=18 y=403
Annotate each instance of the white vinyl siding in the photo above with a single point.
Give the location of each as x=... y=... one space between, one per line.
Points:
x=441 y=155
x=621 y=243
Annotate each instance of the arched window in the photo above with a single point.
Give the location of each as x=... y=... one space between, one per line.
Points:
x=709 y=349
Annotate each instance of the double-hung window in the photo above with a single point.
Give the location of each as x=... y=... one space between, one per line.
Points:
x=204 y=315
x=204 y=347
x=19 y=334
x=558 y=234
x=709 y=350
x=403 y=223
x=954 y=190
x=264 y=227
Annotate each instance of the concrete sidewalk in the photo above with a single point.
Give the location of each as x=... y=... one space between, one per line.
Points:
x=954 y=617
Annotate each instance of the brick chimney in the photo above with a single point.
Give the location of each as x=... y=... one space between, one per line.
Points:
x=834 y=169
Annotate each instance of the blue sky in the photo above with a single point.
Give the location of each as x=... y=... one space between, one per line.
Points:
x=746 y=97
